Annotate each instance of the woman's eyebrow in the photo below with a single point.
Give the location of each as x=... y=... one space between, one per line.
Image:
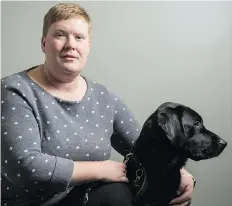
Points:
x=68 y=31
x=61 y=30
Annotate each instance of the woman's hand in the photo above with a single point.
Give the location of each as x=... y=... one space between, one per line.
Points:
x=91 y=171
x=112 y=171
x=185 y=191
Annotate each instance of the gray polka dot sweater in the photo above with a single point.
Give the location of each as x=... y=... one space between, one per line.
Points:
x=42 y=135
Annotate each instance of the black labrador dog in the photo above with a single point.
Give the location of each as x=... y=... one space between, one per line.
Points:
x=171 y=135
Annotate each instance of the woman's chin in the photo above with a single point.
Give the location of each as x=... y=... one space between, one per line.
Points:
x=71 y=69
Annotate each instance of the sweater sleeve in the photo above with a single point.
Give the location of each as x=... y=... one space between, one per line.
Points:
x=126 y=127
x=22 y=160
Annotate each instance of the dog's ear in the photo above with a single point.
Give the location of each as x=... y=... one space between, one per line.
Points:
x=148 y=123
x=170 y=122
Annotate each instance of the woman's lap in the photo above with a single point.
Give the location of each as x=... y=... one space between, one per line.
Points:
x=105 y=194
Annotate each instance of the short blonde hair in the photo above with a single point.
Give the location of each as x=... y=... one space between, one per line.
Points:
x=64 y=11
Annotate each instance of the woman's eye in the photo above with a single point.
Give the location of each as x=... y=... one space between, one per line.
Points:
x=79 y=37
x=60 y=34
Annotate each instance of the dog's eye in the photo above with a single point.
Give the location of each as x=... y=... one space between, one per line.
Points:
x=196 y=123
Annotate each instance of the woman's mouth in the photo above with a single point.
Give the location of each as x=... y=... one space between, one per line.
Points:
x=69 y=57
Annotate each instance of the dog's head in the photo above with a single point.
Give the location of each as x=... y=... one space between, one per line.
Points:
x=185 y=129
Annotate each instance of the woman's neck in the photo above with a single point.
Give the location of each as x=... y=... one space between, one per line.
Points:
x=74 y=90
x=70 y=84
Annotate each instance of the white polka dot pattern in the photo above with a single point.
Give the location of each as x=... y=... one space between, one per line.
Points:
x=47 y=133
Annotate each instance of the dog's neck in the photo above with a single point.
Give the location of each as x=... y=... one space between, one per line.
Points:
x=160 y=154
x=162 y=163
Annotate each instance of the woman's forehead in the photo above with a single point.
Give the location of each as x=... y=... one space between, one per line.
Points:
x=75 y=25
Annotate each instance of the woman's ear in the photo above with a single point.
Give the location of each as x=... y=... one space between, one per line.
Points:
x=43 y=44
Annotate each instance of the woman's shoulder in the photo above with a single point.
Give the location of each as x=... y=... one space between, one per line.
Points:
x=100 y=89
x=16 y=84
x=15 y=79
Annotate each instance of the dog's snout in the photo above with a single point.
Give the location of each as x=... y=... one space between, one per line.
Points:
x=222 y=142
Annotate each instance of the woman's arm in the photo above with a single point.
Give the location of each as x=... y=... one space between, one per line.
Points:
x=107 y=171
x=23 y=161
x=183 y=171
x=126 y=127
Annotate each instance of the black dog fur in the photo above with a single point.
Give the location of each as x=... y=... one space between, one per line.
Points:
x=171 y=135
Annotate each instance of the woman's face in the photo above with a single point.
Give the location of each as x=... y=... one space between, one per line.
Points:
x=66 y=46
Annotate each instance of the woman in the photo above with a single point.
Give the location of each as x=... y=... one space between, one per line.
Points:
x=58 y=126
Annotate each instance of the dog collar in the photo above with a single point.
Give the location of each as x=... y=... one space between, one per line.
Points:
x=136 y=174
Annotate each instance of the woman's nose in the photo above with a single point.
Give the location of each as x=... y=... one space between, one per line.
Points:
x=71 y=42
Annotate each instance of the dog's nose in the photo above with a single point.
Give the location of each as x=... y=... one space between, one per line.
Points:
x=222 y=142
